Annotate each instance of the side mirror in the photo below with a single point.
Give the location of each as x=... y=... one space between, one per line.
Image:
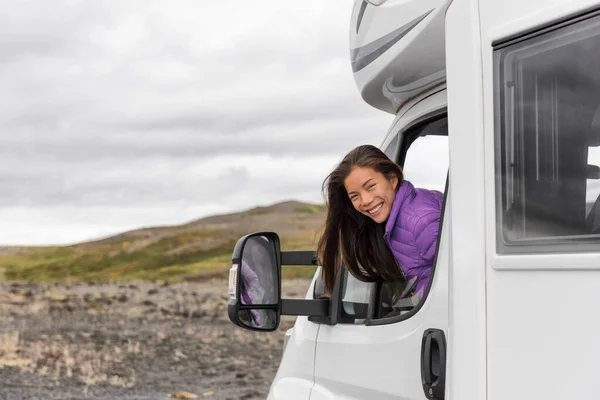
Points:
x=255 y=282
x=255 y=301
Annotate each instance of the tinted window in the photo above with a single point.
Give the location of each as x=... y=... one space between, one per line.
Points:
x=547 y=138
x=355 y=299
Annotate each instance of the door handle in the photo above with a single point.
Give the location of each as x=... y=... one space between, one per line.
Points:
x=433 y=363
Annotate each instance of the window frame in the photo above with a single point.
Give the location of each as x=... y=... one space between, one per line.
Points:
x=406 y=136
x=547 y=245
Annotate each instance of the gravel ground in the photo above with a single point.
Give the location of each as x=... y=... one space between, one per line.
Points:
x=132 y=340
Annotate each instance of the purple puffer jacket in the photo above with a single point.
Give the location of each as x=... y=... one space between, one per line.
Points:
x=411 y=232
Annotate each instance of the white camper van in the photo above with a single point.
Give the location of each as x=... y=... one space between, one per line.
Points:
x=505 y=94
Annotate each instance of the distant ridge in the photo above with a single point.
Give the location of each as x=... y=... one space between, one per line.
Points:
x=286 y=207
x=198 y=247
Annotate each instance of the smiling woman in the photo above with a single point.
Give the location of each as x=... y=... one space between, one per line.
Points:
x=378 y=225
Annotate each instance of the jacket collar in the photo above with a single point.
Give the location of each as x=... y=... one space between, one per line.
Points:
x=404 y=194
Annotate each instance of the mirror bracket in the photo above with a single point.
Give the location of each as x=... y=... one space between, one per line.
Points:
x=313 y=308
x=298 y=258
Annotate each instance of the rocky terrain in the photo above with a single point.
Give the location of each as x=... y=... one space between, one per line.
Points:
x=132 y=340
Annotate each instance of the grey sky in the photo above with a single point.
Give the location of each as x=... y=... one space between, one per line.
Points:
x=122 y=114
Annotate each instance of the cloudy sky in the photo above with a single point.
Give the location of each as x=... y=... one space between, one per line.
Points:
x=121 y=114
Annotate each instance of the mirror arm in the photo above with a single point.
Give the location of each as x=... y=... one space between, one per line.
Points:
x=298 y=258
x=311 y=308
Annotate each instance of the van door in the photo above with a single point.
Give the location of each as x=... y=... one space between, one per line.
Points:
x=542 y=198
x=375 y=351
x=294 y=378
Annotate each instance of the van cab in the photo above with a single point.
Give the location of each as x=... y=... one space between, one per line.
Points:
x=497 y=106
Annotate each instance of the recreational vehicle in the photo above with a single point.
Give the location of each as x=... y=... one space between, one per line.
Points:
x=505 y=96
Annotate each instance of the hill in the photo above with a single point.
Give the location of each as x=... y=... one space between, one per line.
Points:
x=195 y=250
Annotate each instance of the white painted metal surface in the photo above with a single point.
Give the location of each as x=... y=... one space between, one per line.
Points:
x=542 y=327
x=295 y=378
x=435 y=99
x=397 y=50
x=467 y=320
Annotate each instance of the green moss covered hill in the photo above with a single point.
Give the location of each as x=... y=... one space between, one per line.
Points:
x=196 y=250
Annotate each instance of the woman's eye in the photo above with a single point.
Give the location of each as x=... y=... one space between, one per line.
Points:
x=371 y=186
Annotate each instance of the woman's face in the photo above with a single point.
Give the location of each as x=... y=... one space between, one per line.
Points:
x=371 y=193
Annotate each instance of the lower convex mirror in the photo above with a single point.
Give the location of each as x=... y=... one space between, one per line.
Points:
x=258 y=319
x=255 y=282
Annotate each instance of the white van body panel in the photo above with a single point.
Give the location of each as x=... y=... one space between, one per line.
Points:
x=542 y=328
x=435 y=99
x=466 y=364
x=415 y=61
x=295 y=378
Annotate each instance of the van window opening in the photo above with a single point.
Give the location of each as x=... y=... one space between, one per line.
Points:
x=547 y=142
x=424 y=154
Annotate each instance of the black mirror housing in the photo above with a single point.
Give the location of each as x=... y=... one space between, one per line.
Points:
x=255 y=301
x=255 y=282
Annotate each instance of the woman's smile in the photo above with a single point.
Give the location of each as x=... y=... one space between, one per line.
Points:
x=375 y=210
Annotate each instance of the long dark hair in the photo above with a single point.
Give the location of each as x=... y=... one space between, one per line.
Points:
x=349 y=237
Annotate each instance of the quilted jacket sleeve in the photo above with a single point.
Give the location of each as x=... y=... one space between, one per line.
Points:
x=426 y=234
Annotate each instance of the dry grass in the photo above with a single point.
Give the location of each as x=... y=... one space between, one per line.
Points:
x=169 y=253
x=58 y=358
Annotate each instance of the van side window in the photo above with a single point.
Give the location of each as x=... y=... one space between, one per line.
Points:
x=356 y=295
x=424 y=156
x=419 y=146
x=547 y=139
